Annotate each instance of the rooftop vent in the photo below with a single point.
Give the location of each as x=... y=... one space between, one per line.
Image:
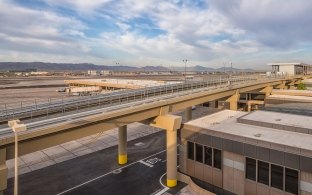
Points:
x=215 y=123
x=258 y=135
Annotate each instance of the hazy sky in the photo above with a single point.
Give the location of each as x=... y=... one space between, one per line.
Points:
x=250 y=33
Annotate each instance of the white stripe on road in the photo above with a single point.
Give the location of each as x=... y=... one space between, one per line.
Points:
x=91 y=180
x=165 y=189
x=145 y=163
x=162 y=191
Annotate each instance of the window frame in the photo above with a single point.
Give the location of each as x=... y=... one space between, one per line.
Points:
x=259 y=179
x=255 y=171
x=202 y=155
x=271 y=178
x=214 y=159
x=298 y=175
x=188 y=150
x=211 y=156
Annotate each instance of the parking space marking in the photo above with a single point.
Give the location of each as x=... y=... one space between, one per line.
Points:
x=145 y=163
x=162 y=191
x=96 y=178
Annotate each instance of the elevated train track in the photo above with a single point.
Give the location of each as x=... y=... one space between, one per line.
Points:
x=81 y=104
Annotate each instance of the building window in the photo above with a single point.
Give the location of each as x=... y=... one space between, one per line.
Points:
x=199 y=153
x=291 y=181
x=190 y=150
x=208 y=156
x=263 y=172
x=277 y=176
x=251 y=169
x=217 y=158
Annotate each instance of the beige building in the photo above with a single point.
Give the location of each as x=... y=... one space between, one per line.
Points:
x=94 y=72
x=291 y=68
x=259 y=153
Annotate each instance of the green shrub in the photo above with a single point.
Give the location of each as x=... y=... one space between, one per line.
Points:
x=301 y=86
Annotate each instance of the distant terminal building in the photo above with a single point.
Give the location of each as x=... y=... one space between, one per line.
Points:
x=99 y=72
x=262 y=152
x=39 y=73
x=291 y=68
x=94 y=72
x=105 y=72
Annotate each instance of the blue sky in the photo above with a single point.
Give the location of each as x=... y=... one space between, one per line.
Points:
x=248 y=33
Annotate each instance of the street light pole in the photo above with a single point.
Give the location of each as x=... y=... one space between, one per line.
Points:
x=185 y=61
x=231 y=69
x=117 y=64
x=16 y=128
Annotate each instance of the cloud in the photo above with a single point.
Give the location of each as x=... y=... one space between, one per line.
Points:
x=79 y=5
x=276 y=24
x=157 y=31
x=30 y=30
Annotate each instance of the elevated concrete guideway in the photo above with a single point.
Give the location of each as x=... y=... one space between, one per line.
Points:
x=100 y=83
x=116 y=83
x=154 y=111
x=65 y=107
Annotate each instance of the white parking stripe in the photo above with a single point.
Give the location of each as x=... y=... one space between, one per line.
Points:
x=162 y=191
x=91 y=180
x=145 y=163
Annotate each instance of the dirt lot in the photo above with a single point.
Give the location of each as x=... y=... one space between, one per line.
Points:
x=13 y=91
x=28 y=95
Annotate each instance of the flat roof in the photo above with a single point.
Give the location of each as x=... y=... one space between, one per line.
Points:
x=299 y=98
x=287 y=63
x=280 y=119
x=224 y=124
x=293 y=108
x=292 y=91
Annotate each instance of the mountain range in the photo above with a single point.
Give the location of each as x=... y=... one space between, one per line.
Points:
x=42 y=66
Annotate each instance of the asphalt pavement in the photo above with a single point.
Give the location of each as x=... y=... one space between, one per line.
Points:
x=99 y=173
x=142 y=177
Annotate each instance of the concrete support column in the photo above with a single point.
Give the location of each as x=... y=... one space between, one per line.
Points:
x=282 y=85
x=268 y=91
x=216 y=104
x=188 y=114
x=3 y=171
x=249 y=107
x=171 y=158
x=233 y=105
x=170 y=123
x=233 y=100
x=122 y=145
